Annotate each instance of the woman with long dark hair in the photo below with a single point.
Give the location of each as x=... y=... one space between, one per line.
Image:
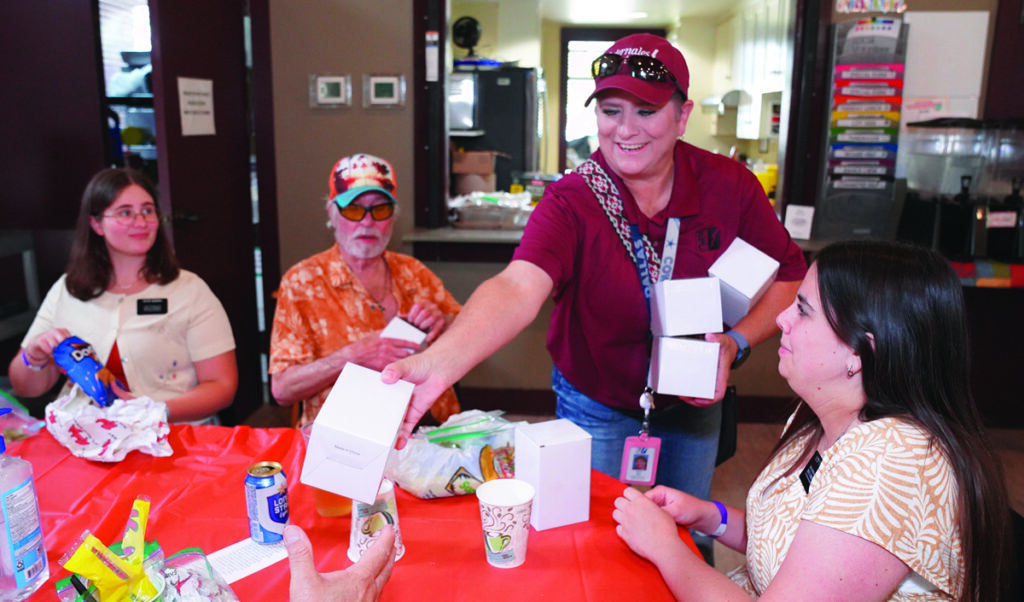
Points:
x=157 y=327
x=882 y=486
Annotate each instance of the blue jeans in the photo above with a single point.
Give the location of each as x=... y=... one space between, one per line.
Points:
x=689 y=439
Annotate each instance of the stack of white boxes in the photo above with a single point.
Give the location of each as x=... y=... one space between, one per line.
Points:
x=682 y=364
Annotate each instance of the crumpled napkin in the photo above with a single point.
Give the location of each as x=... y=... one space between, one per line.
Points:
x=108 y=434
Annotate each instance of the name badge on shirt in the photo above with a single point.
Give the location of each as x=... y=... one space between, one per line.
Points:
x=808 y=473
x=151 y=307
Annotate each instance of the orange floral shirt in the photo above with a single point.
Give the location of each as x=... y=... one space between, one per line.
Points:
x=322 y=307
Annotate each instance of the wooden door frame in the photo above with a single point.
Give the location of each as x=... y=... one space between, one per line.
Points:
x=430 y=116
x=211 y=175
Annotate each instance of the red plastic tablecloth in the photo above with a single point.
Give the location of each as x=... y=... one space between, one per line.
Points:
x=198 y=500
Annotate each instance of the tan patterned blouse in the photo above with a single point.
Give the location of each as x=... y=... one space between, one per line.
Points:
x=322 y=307
x=881 y=481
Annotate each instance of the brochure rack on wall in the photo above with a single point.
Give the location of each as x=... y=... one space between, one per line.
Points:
x=859 y=197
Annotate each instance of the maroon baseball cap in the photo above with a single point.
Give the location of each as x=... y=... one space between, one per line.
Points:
x=656 y=47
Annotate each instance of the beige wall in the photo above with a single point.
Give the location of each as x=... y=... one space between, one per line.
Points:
x=486 y=13
x=695 y=38
x=550 y=61
x=353 y=37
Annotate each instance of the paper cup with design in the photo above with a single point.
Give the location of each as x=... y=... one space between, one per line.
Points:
x=505 y=517
x=369 y=519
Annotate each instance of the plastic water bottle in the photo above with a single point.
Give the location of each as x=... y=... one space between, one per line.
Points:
x=23 y=565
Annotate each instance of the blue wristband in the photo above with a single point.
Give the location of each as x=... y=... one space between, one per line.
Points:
x=722 y=526
x=742 y=348
x=30 y=365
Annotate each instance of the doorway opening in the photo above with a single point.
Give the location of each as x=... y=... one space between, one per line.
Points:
x=577 y=128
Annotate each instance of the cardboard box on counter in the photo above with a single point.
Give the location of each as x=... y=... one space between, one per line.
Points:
x=682 y=366
x=686 y=306
x=474 y=162
x=472 y=182
x=554 y=457
x=354 y=433
x=746 y=273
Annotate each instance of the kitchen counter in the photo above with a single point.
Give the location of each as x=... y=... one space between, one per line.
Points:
x=494 y=245
x=464 y=244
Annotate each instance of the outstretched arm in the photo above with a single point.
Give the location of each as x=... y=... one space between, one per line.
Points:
x=497 y=311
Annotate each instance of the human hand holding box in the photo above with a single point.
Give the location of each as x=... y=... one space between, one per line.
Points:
x=354 y=433
x=745 y=273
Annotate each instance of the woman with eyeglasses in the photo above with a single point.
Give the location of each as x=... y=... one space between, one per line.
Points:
x=882 y=486
x=578 y=248
x=332 y=307
x=157 y=327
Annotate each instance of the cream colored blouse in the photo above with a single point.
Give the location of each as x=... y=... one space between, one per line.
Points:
x=881 y=481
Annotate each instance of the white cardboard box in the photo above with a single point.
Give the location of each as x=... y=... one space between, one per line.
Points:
x=746 y=273
x=398 y=328
x=686 y=306
x=681 y=366
x=554 y=457
x=354 y=433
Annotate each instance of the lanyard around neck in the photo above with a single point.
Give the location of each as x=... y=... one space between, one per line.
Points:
x=668 y=258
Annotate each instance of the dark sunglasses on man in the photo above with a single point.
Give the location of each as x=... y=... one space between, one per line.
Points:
x=356 y=213
x=642 y=67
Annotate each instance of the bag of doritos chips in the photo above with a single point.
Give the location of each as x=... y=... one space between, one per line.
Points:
x=78 y=360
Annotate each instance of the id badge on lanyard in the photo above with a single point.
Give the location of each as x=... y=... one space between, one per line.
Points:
x=640 y=452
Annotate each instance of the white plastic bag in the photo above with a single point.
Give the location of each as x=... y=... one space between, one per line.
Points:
x=455 y=458
x=108 y=434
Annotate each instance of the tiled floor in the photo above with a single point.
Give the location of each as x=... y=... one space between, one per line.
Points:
x=754 y=442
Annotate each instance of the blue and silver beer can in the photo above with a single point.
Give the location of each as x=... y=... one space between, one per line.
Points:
x=266 y=497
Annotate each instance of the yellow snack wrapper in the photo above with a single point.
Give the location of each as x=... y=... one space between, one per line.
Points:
x=113 y=577
x=94 y=561
x=133 y=543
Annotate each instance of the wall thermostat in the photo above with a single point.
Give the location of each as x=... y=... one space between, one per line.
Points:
x=330 y=91
x=383 y=91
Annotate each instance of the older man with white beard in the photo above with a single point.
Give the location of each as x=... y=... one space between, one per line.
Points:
x=331 y=307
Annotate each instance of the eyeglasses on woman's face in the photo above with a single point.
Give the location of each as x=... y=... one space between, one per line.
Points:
x=126 y=215
x=642 y=67
x=356 y=213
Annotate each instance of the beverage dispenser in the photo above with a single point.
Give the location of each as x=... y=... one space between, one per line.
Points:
x=944 y=163
x=963 y=188
x=1001 y=182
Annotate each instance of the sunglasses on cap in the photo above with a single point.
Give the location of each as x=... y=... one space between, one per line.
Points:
x=646 y=68
x=356 y=213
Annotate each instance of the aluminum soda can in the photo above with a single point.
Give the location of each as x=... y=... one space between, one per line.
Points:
x=266 y=498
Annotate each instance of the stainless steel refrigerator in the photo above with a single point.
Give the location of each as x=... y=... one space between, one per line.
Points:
x=497 y=110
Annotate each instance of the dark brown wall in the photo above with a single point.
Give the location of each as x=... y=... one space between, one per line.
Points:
x=1004 y=97
x=51 y=119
